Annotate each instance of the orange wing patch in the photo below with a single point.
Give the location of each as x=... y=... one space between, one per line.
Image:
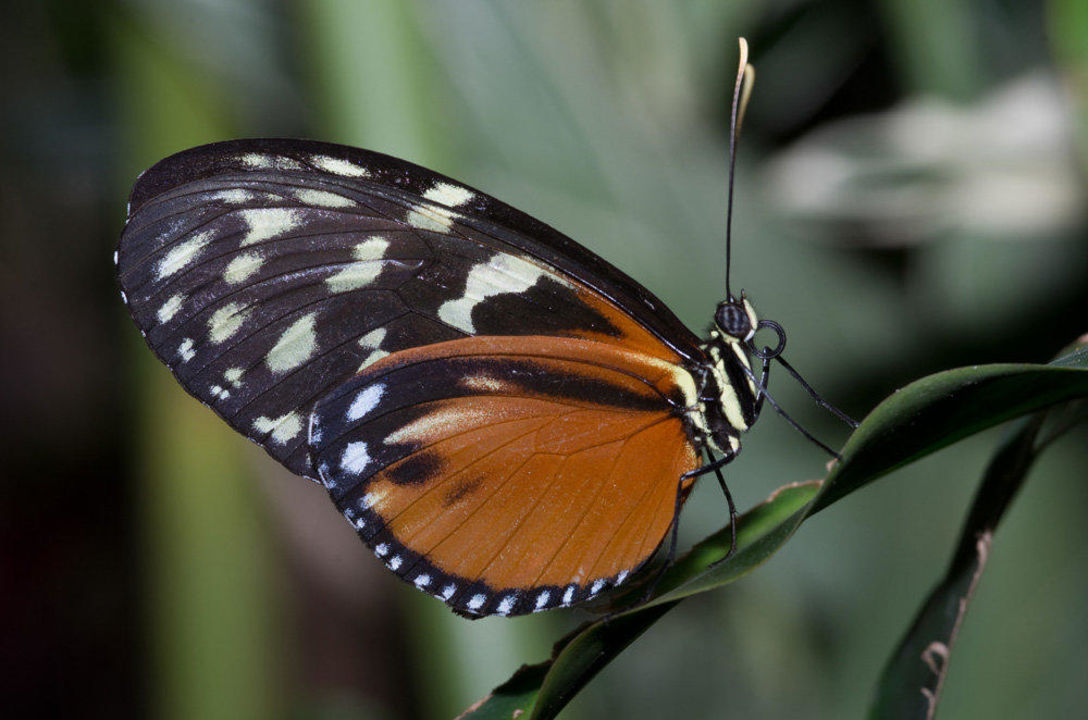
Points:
x=508 y=475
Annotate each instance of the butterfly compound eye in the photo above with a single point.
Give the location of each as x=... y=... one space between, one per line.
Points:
x=733 y=320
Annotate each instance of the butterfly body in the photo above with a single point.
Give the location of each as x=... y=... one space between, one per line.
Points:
x=506 y=419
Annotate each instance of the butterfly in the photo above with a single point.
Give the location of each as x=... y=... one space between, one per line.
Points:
x=508 y=421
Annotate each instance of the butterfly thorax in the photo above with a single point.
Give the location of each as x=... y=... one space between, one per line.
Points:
x=727 y=391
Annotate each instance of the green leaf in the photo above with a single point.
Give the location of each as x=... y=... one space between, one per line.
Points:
x=919 y=419
x=911 y=682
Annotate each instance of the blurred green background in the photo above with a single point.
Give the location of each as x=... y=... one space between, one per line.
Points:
x=911 y=197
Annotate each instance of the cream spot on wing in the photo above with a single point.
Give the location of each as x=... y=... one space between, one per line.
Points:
x=354 y=276
x=170 y=308
x=242 y=267
x=181 y=255
x=185 y=350
x=355 y=458
x=219 y=392
x=281 y=429
x=440 y=423
x=447 y=194
x=360 y=274
x=371 y=249
x=295 y=346
x=372 y=340
x=257 y=161
x=365 y=401
x=267 y=223
x=323 y=198
x=234 y=376
x=372 y=498
x=483 y=383
x=501 y=274
x=429 y=217
x=338 y=166
x=226 y=321
x=234 y=196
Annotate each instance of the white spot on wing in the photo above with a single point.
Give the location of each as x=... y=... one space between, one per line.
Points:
x=381 y=549
x=426 y=217
x=503 y=273
x=422 y=581
x=234 y=376
x=362 y=273
x=394 y=562
x=295 y=346
x=339 y=167
x=170 y=308
x=185 y=350
x=371 y=499
x=365 y=401
x=226 y=321
x=448 y=591
x=281 y=429
x=476 y=601
x=235 y=196
x=542 y=599
x=355 y=458
x=568 y=595
x=372 y=340
x=242 y=267
x=482 y=383
x=323 y=198
x=257 y=161
x=621 y=577
x=267 y=223
x=439 y=423
x=506 y=605
x=181 y=255
x=449 y=195
x=371 y=249
x=597 y=587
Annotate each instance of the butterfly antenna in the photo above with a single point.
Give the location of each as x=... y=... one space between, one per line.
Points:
x=742 y=90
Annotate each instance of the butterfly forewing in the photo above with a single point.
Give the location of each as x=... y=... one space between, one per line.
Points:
x=267 y=273
x=508 y=474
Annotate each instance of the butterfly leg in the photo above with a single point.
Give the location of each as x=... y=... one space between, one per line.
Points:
x=714 y=466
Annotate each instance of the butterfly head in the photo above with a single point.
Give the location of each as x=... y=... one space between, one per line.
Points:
x=735 y=320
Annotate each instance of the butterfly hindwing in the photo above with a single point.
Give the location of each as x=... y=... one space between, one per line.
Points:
x=508 y=474
x=266 y=273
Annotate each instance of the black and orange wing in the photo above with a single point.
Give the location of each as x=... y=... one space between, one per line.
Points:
x=507 y=475
x=266 y=273
x=530 y=399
